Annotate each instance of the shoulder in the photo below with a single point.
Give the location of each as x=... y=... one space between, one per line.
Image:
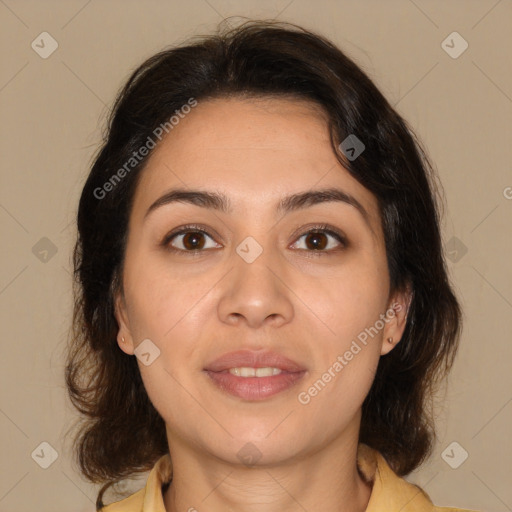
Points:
x=391 y=492
x=150 y=497
x=132 y=503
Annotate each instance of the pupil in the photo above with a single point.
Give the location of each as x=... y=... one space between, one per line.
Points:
x=316 y=244
x=193 y=239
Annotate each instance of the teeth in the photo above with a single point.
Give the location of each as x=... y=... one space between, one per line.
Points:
x=254 y=372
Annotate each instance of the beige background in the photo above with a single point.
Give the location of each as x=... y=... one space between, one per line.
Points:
x=53 y=110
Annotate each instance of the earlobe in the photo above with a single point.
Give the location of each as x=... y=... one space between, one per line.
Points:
x=388 y=345
x=124 y=339
x=125 y=345
x=397 y=313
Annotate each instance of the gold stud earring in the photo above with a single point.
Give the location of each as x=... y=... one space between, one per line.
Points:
x=390 y=340
x=122 y=339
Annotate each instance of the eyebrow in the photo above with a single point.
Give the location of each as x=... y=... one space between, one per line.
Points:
x=294 y=202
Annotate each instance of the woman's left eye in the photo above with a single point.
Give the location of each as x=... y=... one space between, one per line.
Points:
x=316 y=240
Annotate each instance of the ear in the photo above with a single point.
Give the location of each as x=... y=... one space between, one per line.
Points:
x=396 y=313
x=124 y=337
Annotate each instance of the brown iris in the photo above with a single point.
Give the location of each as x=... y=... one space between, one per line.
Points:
x=316 y=243
x=196 y=240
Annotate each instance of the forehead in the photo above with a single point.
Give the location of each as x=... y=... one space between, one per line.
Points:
x=261 y=148
x=247 y=124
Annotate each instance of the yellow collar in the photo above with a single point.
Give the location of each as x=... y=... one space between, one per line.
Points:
x=390 y=493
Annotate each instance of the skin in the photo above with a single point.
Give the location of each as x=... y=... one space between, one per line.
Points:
x=291 y=299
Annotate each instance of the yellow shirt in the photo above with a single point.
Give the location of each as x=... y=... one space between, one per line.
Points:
x=390 y=493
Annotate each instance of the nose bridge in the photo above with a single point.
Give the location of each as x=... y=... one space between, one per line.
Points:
x=255 y=287
x=256 y=263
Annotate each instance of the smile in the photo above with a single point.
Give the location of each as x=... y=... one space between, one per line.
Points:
x=244 y=371
x=254 y=375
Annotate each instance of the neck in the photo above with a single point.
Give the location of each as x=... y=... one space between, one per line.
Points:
x=326 y=480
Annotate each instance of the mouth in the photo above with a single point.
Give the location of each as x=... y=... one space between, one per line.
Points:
x=254 y=376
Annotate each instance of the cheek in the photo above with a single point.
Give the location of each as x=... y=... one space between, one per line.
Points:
x=349 y=301
x=348 y=306
x=337 y=388
x=166 y=309
x=160 y=299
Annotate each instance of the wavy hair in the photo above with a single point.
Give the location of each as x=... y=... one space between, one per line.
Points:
x=122 y=433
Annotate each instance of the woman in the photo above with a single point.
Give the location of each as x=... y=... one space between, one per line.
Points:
x=262 y=306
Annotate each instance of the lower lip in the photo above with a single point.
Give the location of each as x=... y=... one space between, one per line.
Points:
x=255 y=388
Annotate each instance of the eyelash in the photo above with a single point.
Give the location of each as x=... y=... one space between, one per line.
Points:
x=192 y=228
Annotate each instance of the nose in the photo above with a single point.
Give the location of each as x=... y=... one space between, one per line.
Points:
x=256 y=292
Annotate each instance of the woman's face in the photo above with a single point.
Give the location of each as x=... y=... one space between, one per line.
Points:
x=259 y=275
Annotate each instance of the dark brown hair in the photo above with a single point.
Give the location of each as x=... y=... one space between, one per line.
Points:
x=122 y=434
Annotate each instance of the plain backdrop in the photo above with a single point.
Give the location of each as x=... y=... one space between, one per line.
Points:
x=53 y=106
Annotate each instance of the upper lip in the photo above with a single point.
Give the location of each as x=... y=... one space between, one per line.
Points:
x=252 y=359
